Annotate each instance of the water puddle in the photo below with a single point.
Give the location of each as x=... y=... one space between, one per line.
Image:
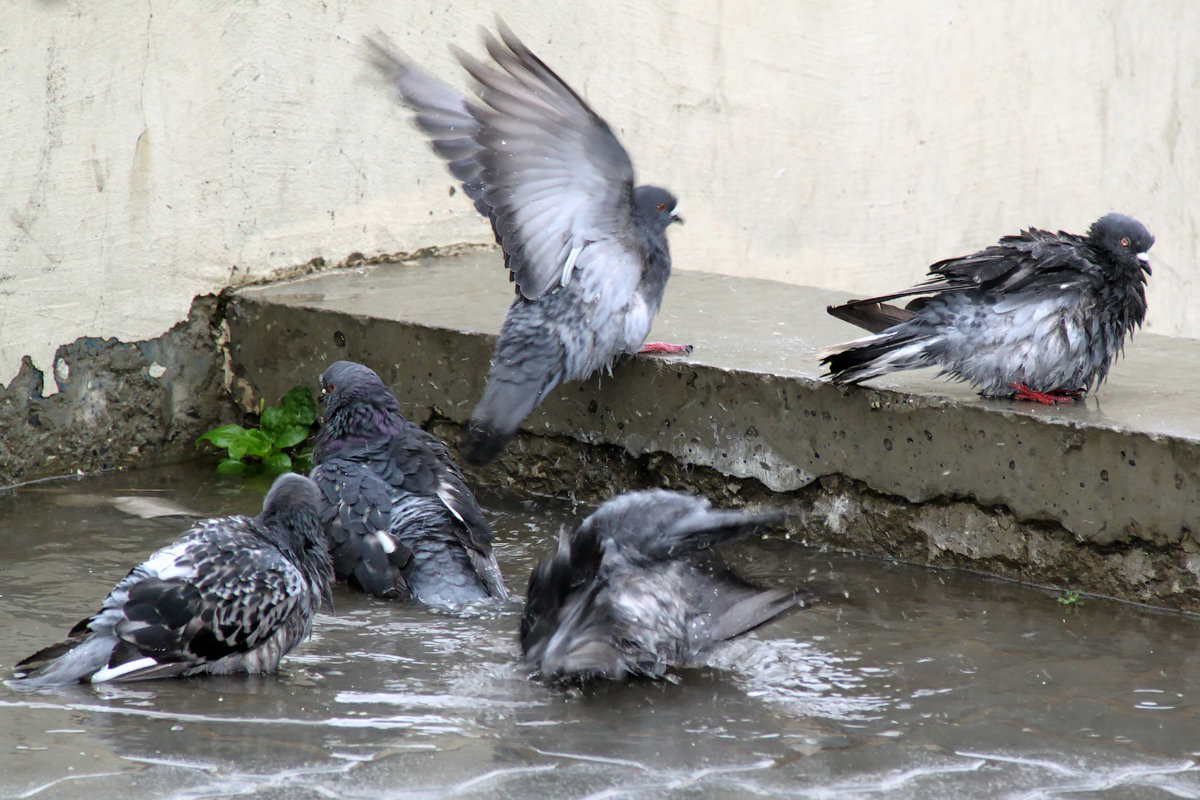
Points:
x=906 y=683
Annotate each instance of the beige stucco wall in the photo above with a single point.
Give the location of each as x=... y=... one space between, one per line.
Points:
x=151 y=151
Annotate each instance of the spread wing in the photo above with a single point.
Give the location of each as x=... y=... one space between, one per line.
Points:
x=442 y=113
x=552 y=177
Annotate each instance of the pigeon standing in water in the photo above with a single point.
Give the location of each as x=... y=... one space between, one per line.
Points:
x=399 y=516
x=586 y=248
x=635 y=590
x=231 y=595
x=1038 y=316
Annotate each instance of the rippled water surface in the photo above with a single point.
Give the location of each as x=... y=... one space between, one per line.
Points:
x=905 y=683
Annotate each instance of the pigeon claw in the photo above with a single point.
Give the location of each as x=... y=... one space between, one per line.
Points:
x=1023 y=392
x=665 y=349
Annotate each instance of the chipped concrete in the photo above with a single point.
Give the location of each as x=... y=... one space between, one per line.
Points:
x=117 y=404
x=1101 y=495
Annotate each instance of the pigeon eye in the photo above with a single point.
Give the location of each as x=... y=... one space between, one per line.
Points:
x=329 y=387
x=1124 y=241
x=661 y=207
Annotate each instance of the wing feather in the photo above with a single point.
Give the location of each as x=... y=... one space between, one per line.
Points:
x=537 y=160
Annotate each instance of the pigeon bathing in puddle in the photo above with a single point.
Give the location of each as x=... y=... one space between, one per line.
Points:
x=398 y=514
x=636 y=590
x=586 y=248
x=1038 y=316
x=231 y=595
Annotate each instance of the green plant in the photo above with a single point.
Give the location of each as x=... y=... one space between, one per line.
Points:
x=1071 y=598
x=272 y=447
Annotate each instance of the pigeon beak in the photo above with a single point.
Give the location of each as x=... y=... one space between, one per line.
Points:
x=321 y=396
x=1145 y=259
x=677 y=218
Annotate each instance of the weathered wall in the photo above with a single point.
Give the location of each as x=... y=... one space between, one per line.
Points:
x=106 y=404
x=154 y=152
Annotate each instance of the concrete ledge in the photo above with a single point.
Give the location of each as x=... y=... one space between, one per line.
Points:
x=1101 y=495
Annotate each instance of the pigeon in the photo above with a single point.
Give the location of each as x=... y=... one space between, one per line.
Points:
x=1037 y=317
x=400 y=519
x=586 y=248
x=233 y=594
x=635 y=590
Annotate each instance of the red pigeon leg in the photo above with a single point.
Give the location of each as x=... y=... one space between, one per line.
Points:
x=662 y=348
x=1023 y=392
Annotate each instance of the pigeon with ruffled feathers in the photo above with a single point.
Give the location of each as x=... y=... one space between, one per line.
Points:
x=400 y=519
x=1038 y=316
x=637 y=589
x=231 y=595
x=586 y=248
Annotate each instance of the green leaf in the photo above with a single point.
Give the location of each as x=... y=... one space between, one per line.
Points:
x=222 y=436
x=252 y=443
x=291 y=437
x=300 y=403
x=257 y=443
x=277 y=462
x=273 y=420
x=231 y=466
x=303 y=463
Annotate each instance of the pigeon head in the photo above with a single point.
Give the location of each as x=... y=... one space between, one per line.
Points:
x=291 y=519
x=347 y=382
x=1124 y=239
x=291 y=491
x=655 y=206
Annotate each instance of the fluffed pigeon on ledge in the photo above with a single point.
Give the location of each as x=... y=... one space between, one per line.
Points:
x=233 y=594
x=636 y=590
x=399 y=516
x=1039 y=316
x=586 y=248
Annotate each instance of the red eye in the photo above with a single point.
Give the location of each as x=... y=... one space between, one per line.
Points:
x=329 y=388
x=1124 y=241
x=662 y=207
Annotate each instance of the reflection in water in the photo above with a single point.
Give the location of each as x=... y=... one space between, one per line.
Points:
x=904 y=682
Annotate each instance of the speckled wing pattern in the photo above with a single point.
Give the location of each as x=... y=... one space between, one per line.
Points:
x=550 y=174
x=218 y=591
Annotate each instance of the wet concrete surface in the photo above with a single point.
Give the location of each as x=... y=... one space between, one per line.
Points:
x=903 y=682
x=1111 y=484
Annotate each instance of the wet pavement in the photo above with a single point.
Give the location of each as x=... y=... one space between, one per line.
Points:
x=905 y=682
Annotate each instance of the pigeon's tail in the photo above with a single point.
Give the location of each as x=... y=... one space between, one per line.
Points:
x=482 y=441
x=870 y=316
x=72 y=661
x=514 y=389
x=877 y=355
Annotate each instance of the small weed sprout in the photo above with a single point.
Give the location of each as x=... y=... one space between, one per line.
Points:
x=1070 y=598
